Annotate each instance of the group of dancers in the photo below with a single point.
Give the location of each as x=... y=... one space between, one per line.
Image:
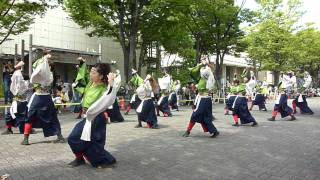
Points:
x=257 y=92
x=33 y=106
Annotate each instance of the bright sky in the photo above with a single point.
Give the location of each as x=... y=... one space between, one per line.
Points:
x=311 y=8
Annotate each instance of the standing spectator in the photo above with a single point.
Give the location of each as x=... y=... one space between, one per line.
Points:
x=6 y=74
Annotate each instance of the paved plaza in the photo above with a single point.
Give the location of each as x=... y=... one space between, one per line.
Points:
x=274 y=150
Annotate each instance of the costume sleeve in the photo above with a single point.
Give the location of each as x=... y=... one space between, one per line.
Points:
x=82 y=78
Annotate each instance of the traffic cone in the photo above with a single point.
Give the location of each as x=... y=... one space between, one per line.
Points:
x=122 y=105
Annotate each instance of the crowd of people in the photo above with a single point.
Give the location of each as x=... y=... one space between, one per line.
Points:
x=95 y=89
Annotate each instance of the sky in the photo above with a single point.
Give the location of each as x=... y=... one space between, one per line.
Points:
x=311 y=8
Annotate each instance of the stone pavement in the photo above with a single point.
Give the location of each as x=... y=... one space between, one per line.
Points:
x=274 y=150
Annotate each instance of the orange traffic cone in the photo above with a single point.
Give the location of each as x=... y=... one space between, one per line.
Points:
x=122 y=105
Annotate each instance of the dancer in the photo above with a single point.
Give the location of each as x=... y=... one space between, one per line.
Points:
x=87 y=139
x=17 y=115
x=135 y=82
x=240 y=108
x=301 y=97
x=113 y=111
x=146 y=110
x=173 y=97
x=41 y=110
x=281 y=105
x=163 y=103
x=259 y=98
x=202 y=113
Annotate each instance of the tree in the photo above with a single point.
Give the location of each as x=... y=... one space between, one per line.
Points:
x=307 y=50
x=111 y=18
x=16 y=16
x=215 y=27
x=271 y=40
x=164 y=30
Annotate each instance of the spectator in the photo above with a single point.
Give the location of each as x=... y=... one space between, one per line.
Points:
x=6 y=74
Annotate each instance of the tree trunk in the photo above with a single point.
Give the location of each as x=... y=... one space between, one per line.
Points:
x=126 y=54
x=142 y=56
x=158 y=54
x=133 y=34
x=276 y=75
x=218 y=70
x=198 y=49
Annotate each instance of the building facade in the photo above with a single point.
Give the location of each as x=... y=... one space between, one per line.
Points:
x=57 y=31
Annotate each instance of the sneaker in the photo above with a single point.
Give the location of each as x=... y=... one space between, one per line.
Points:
x=138 y=126
x=8 y=131
x=186 y=134
x=60 y=139
x=214 y=135
x=254 y=124
x=155 y=127
x=77 y=162
x=105 y=165
x=271 y=119
x=25 y=141
x=235 y=124
x=292 y=118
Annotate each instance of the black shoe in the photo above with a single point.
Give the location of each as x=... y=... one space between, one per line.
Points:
x=8 y=131
x=186 y=134
x=272 y=119
x=111 y=165
x=214 y=135
x=264 y=110
x=138 y=126
x=292 y=118
x=60 y=139
x=77 y=162
x=235 y=124
x=254 y=124
x=126 y=113
x=155 y=127
x=25 y=141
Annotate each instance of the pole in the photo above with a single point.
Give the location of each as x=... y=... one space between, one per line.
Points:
x=22 y=50
x=30 y=55
x=15 y=54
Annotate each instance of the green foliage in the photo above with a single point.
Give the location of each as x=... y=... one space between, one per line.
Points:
x=271 y=42
x=16 y=16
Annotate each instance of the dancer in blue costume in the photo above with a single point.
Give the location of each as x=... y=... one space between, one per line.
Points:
x=173 y=97
x=41 y=110
x=232 y=94
x=301 y=97
x=135 y=82
x=163 y=103
x=240 y=108
x=17 y=115
x=259 y=99
x=87 y=139
x=281 y=105
x=113 y=111
x=202 y=113
x=146 y=109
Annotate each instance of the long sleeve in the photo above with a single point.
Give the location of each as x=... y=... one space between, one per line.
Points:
x=82 y=78
x=41 y=74
x=195 y=73
x=18 y=84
